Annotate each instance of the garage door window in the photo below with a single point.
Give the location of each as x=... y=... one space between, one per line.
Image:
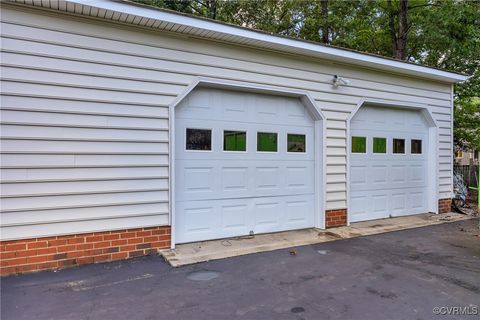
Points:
x=416 y=146
x=359 y=144
x=267 y=142
x=399 y=146
x=379 y=145
x=198 y=139
x=234 y=140
x=296 y=143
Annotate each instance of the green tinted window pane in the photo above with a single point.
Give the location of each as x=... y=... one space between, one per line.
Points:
x=416 y=146
x=296 y=143
x=359 y=144
x=379 y=145
x=399 y=146
x=234 y=140
x=267 y=141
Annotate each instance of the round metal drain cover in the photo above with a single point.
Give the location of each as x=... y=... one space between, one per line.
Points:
x=203 y=275
x=297 y=310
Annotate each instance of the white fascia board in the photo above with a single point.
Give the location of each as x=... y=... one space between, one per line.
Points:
x=309 y=48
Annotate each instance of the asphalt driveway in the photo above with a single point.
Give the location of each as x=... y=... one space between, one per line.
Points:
x=398 y=275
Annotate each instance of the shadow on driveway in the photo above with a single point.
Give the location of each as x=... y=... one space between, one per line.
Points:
x=397 y=275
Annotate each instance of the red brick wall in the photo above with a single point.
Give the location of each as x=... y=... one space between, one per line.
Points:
x=21 y=256
x=444 y=205
x=336 y=218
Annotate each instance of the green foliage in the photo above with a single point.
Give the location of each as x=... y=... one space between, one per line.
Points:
x=177 y=5
x=234 y=141
x=278 y=17
x=359 y=144
x=267 y=141
x=379 y=145
x=440 y=33
x=467 y=124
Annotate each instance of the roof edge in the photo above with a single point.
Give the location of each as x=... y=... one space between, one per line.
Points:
x=307 y=47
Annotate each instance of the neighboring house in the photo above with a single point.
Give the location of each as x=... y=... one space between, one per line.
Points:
x=465 y=158
x=128 y=129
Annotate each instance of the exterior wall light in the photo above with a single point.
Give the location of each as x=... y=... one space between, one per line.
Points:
x=339 y=81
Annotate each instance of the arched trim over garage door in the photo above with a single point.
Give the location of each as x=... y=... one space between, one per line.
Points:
x=432 y=153
x=305 y=99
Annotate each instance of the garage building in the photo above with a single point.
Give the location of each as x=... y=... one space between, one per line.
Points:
x=127 y=129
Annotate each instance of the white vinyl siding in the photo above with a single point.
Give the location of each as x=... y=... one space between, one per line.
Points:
x=80 y=96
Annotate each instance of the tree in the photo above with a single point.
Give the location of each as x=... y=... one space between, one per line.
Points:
x=467 y=124
x=449 y=38
x=325 y=29
x=398 y=26
x=277 y=17
x=205 y=8
x=437 y=33
x=176 y=5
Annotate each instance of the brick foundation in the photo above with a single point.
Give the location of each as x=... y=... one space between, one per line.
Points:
x=335 y=218
x=28 y=255
x=444 y=205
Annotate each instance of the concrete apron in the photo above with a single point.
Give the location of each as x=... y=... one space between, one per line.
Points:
x=190 y=253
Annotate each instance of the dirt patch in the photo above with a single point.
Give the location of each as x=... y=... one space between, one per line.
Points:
x=472 y=201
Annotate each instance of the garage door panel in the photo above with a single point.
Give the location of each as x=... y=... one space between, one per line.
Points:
x=219 y=179
x=417 y=200
x=224 y=105
x=299 y=177
x=358 y=175
x=387 y=176
x=398 y=175
x=298 y=212
x=267 y=178
x=210 y=219
x=379 y=175
x=380 y=203
x=368 y=205
x=388 y=184
x=268 y=213
x=223 y=194
x=412 y=202
x=196 y=220
x=198 y=179
x=235 y=179
x=393 y=120
x=398 y=202
x=251 y=153
x=234 y=216
x=270 y=109
x=358 y=203
x=282 y=213
x=417 y=173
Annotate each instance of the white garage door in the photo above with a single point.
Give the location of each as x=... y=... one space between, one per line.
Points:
x=244 y=162
x=388 y=172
